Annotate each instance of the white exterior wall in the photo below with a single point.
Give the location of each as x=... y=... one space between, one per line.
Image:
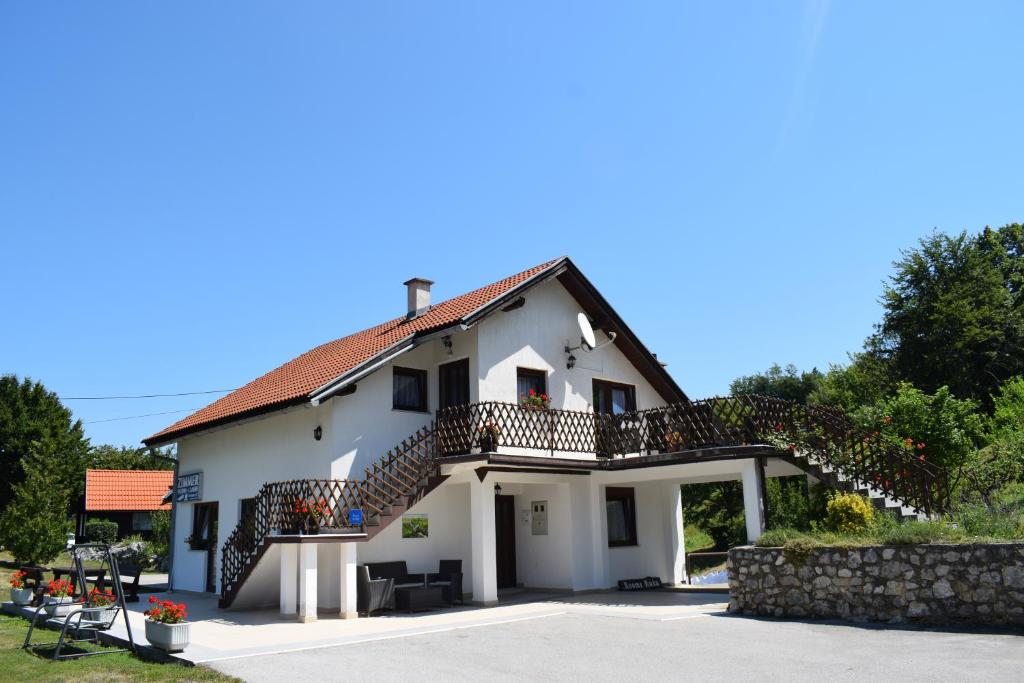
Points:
x=535 y=337
x=364 y=426
x=447 y=510
x=236 y=462
x=650 y=557
x=543 y=561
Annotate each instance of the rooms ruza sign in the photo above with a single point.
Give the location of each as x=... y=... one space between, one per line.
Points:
x=189 y=487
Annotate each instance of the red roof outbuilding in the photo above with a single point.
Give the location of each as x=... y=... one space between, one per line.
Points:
x=133 y=490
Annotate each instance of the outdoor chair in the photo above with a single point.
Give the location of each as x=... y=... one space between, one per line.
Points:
x=373 y=594
x=449 y=576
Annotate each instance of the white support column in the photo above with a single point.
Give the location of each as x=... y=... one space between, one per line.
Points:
x=485 y=566
x=347 y=587
x=307 y=582
x=597 y=512
x=289 y=578
x=677 y=542
x=753 y=499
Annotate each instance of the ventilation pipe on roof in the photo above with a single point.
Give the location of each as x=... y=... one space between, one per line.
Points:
x=418 y=297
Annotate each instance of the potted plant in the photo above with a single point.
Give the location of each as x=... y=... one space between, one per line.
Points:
x=307 y=515
x=99 y=605
x=534 y=401
x=57 y=601
x=488 y=437
x=166 y=627
x=19 y=594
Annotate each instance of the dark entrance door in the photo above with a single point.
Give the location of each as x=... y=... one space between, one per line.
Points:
x=505 y=540
x=204 y=537
x=452 y=392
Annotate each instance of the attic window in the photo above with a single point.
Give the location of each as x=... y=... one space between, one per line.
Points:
x=409 y=391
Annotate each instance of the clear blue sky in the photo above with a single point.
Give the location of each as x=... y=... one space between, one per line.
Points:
x=193 y=193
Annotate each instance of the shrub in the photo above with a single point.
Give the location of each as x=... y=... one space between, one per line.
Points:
x=101 y=531
x=160 y=544
x=776 y=538
x=697 y=539
x=848 y=513
x=914 y=531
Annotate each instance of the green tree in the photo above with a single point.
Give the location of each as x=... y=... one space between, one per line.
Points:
x=1007 y=419
x=34 y=526
x=107 y=457
x=717 y=508
x=866 y=380
x=787 y=383
x=28 y=414
x=954 y=313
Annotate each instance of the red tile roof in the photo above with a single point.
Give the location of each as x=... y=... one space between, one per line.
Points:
x=298 y=378
x=127 y=489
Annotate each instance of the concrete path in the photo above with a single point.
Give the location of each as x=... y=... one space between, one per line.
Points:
x=219 y=635
x=587 y=644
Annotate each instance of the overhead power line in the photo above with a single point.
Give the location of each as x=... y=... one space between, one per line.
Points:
x=109 y=398
x=135 y=417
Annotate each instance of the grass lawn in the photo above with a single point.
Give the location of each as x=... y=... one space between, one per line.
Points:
x=20 y=665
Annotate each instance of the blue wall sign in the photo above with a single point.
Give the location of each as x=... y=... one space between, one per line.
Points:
x=355 y=517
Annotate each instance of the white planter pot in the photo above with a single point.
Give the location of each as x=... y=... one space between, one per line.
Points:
x=21 y=596
x=168 y=637
x=58 y=607
x=103 y=614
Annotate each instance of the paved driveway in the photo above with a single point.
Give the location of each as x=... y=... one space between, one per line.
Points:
x=588 y=643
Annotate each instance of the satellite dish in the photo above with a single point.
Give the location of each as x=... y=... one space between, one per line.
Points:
x=586 y=332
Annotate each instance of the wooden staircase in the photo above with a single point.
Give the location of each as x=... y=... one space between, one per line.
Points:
x=391 y=486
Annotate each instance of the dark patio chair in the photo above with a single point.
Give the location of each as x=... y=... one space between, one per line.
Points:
x=373 y=594
x=448 y=576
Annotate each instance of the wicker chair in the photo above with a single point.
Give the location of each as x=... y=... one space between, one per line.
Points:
x=449 y=576
x=373 y=594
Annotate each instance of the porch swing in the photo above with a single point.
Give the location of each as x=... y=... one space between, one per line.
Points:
x=85 y=621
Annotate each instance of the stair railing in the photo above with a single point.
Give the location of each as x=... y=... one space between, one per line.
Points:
x=303 y=505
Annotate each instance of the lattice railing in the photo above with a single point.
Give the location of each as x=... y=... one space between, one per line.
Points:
x=716 y=422
x=308 y=505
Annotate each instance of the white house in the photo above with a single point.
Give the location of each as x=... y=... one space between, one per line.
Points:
x=394 y=424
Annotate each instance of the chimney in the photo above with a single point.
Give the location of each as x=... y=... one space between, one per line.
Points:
x=418 y=297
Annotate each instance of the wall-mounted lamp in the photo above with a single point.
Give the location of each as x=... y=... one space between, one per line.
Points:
x=570 y=362
x=318 y=432
x=497 y=489
x=446 y=342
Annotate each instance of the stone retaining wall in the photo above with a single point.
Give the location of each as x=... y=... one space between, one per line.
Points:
x=938 y=584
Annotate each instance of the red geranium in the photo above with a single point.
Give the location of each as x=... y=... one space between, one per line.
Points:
x=165 y=611
x=17 y=579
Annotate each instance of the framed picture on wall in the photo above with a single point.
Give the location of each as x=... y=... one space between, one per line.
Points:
x=415 y=526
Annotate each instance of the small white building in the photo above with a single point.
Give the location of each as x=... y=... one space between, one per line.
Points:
x=419 y=421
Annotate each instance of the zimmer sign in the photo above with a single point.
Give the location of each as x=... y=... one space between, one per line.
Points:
x=190 y=487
